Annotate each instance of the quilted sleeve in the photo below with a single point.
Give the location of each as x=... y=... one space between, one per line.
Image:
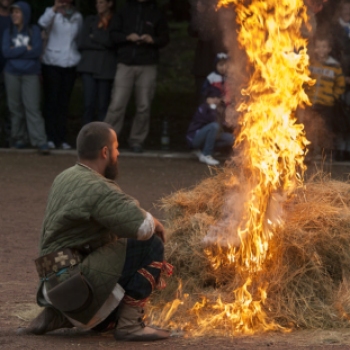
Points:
x=119 y=213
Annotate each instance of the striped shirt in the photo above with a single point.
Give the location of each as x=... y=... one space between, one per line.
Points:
x=330 y=82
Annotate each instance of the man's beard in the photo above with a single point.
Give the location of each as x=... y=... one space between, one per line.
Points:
x=111 y=171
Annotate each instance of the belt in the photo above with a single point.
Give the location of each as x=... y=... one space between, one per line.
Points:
x=55 y=261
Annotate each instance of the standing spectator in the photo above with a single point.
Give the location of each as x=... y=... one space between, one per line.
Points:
x=205 y=131
x=5 y=123
x=140 y=30
x=329 y=86
x=21 y=46
x=63 y=24
x=98 y=61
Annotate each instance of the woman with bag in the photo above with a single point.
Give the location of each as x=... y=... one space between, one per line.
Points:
x=63 y=24
x=98 y=61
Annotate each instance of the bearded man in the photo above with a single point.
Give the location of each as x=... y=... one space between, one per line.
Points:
x=98 y=248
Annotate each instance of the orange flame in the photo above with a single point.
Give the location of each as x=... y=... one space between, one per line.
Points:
x=272 y=144
x=272 y=148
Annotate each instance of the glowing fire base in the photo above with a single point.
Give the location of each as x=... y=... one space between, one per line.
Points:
x=274 y=255
x=306 y=277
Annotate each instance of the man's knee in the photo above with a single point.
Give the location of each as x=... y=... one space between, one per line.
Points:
x=157 y=247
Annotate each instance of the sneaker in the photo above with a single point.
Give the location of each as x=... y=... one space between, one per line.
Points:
x=209 y=160
x=44 y=149
x=65 y=146
x=51 y=145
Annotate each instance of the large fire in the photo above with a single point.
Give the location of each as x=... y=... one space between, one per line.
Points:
x=271 y=147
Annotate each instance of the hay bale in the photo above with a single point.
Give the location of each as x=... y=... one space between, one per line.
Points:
x=309 y=264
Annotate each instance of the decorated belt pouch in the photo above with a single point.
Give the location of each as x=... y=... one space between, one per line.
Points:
x=72 y=294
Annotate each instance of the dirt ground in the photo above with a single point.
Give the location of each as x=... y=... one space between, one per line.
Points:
x=25 y=179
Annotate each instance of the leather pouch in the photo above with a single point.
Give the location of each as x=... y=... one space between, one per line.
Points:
x=73 y=294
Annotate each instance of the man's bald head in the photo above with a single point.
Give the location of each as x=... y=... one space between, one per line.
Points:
x=92 y=138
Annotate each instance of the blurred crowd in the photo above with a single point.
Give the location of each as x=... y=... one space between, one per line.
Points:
x=117 y=52
x=326 y=120
x=113 y=52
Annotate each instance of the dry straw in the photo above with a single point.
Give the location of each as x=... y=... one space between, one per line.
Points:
x=308 y=266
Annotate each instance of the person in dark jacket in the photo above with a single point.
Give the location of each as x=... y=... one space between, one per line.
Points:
x=21 y=48
x=5 y=119
x=205 y=131
x=218 y=77
x=98 y=61
x=140 y=30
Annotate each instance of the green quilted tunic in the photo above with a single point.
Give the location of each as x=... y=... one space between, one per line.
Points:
x=85 y=208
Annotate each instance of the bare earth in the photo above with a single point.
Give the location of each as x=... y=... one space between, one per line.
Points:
x=25 y=179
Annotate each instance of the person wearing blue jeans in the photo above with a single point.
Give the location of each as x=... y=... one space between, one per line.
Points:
x=98 y=62
x=205 y=132
x=5 y=118
x=95 y=89
x=21 y=47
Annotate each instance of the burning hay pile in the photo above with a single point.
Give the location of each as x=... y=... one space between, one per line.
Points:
x=254 y=248
x=306 y=272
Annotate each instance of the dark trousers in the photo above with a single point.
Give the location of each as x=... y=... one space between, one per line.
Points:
x=58 y=85
x=95 y=90
x=139 y=254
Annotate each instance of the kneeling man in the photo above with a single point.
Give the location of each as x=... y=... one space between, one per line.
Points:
x=101 y=255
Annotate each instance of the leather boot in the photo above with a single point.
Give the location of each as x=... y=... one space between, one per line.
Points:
x=130 y=326
x=47 y=321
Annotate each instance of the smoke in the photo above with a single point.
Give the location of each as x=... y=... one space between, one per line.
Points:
x=225 y=231
x=316 y=128
x=204 y=19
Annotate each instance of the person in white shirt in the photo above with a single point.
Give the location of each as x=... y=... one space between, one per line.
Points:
x=62 y=23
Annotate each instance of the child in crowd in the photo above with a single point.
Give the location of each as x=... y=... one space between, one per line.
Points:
x=21 y=48
x=205 y=130
x=328 y=87
x=217 y=78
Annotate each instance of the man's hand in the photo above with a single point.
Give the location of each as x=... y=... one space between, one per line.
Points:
x=147 y=39
x=133 y=37
x=159 y=229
